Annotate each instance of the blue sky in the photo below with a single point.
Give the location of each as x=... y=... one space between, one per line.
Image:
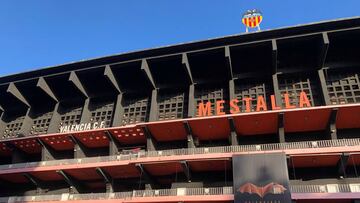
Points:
x=39 y=33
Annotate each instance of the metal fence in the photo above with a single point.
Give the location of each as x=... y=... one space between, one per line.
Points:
x=192 y=151
x=328 y=188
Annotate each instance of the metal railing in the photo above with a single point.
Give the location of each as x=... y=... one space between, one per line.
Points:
x=328 y=188
x=192 y=151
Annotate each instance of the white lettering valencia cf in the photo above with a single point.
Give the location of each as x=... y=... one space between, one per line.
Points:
x=82 y=127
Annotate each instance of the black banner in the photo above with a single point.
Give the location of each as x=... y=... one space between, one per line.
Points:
x=261 y=178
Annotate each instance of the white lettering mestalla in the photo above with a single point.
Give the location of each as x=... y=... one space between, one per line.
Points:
x=82 y=127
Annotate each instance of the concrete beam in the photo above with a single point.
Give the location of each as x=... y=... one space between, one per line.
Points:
x=42 y=84
x=145 y=68
x=187 y=171
x=186 y=65
x=323 y=49
x=191 y=104
x=47 y=152
x=74 y=184
x=274 y=55
x=149 y=179
x=191 y=140
x=233 y=138
x=76 y=81
x=114 y=144
x=107 y=179
x=228 y=61
x=108 y=73
x=80 y=150
x=281 y=130
x=331 y=126
x=12 y=89
x=342 y=164
x=150 y=141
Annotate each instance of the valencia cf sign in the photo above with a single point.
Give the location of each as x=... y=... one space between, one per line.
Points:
x=82 y=127
x=261 y=178
x=204 y=109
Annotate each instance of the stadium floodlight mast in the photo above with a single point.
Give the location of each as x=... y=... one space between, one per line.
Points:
x=252 y=19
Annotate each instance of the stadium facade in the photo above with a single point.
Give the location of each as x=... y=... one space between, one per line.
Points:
x=270 y=116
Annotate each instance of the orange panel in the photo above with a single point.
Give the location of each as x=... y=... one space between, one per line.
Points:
x=47 y=175
x=255 y=124
x=60 y=142
x=210 y=165
x=168 y=131
x=30 y=145
x=348 y=117
x=129 y=135
x=162 y=169
x=306 y=120
x=84 y=174
x=210 y=128
x=14 y=178
x=315 y=160
x=93 y=139
x=124 y=171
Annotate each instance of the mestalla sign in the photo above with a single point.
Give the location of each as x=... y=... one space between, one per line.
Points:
x=82 y=127
x=204 y=109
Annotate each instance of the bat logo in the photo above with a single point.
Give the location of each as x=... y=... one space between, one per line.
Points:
x=270 y=188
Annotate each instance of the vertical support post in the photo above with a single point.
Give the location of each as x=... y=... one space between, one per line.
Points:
x=119 y=111
x=233 y=135
x=154 y=106
x=80 y=151
x=55 y=120
x=232 y=89
x=332 y=131
x=150 y=141
x=190 y=137
x=342 y=164
x=191 y=105
x=281 y=131
x=47 y=153
x=324 y=87
x=276 y=89
x=86 y=114
x=114 y=144
x=107 y=179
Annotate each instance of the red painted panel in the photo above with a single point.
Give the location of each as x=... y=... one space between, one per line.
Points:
x=214 y=128
x=210 y=165
x=256 y=124
x=129 y=134
x=14 y=178
x=30 y=145
x=348 y=117
x=59 y=142
x=124 y=171
x=93 y=139
x=306 y=120
x=168 y=131
x=4 y=150
x=354 y=159
x=162 y=169
x=84 y=174
x=47 y=175
x=315 y=160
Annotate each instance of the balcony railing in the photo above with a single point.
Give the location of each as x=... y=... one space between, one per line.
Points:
x=192 y=151
x=329 y=188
